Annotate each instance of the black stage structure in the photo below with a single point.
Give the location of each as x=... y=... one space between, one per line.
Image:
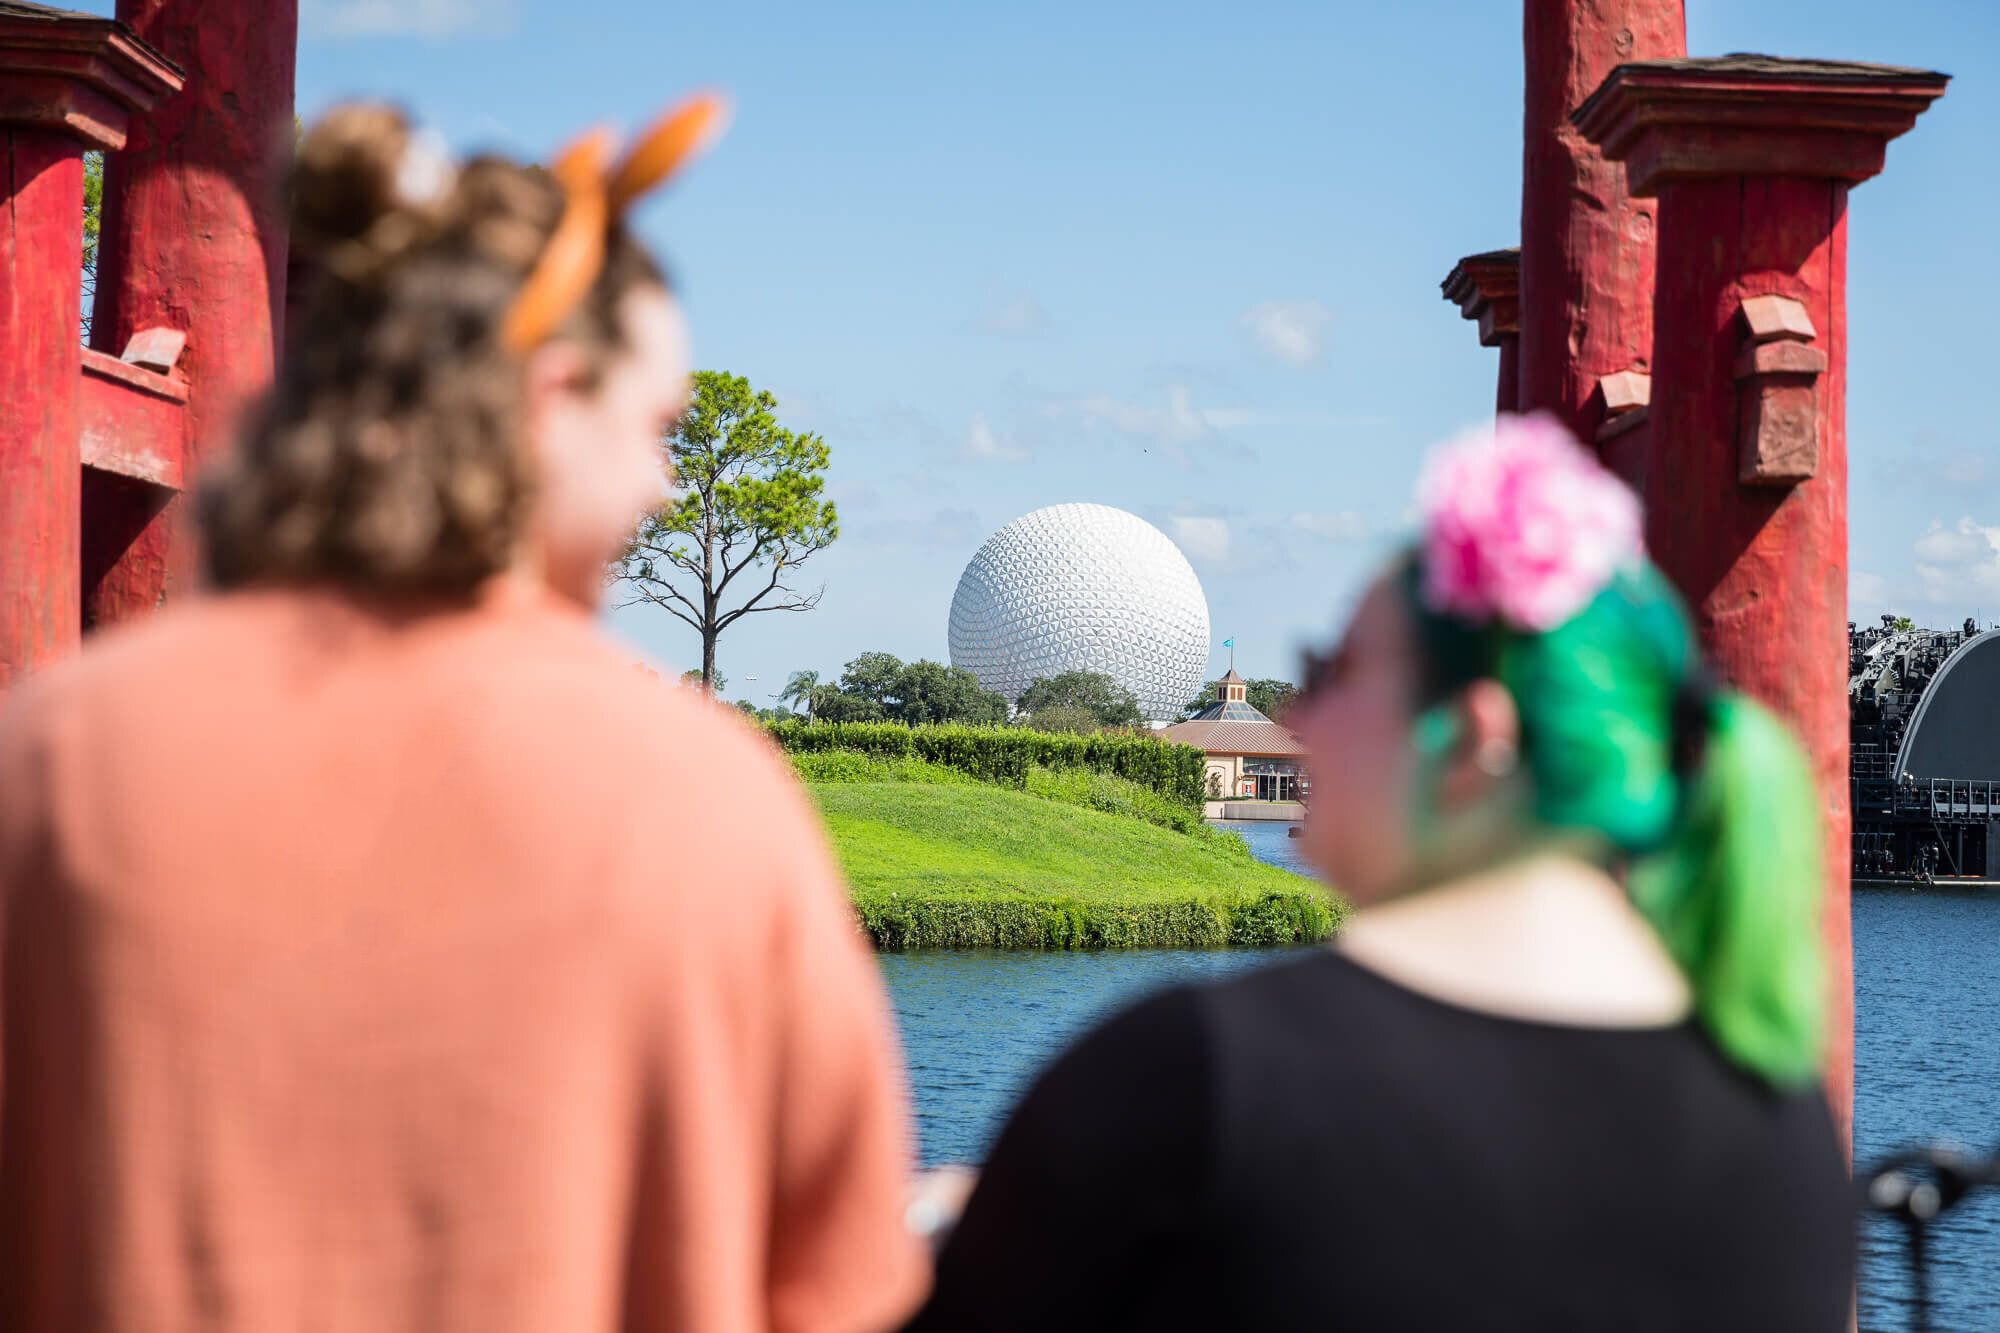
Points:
x=1924 y=727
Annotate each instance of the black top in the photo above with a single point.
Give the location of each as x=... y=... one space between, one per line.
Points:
x=1312 y=1146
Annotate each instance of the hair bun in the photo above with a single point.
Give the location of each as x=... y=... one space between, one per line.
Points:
x=364 y=186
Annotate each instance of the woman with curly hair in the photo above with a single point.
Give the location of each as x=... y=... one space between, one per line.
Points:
x=1559 y=1071
x=378 y=949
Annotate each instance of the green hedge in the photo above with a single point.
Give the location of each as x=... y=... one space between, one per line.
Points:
x=1253 y=921
x=1116 y=796
x=1071 y=786
x=854 y=766
x=1009 y=754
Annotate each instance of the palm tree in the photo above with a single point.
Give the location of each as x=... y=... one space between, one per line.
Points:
x=802 y=689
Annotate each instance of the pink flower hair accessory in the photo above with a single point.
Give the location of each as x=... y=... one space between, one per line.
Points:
x=1521 y=525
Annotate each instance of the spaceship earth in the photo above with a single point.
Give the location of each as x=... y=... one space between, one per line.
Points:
x=1083 y=587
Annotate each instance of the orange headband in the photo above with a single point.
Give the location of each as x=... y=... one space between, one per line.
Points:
x=592 y=196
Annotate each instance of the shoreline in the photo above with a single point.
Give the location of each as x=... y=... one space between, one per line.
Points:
x=1947 y=883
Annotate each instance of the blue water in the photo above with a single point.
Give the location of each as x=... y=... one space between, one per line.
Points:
x=977 y=1026
x=1269 y=842
x=1927 y=1066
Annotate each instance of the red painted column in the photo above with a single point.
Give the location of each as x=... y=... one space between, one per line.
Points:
x=1586 y=243
x=194 y=239
x=1487 y=289
x=67 y=83
x=40 y=469
x=1751 y=159
x=1507 y=393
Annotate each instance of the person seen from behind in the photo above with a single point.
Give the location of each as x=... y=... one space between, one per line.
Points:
x=378 y=949
x=1558 y=1072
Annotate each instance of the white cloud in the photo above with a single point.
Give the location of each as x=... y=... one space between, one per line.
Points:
x=1172 y=426
x=1020 y=316
x=1866 y=593
x=1927 y=466
x=413 y=18
x=795 y=405
x=1965 y=468
x=945 y=527
x=1233 y=418
x=1347 y=525
x=1226 y=542
x=983 y=446
x=1292 y=332
x=852 y=494
x=1205 y=539
x=1958 y=563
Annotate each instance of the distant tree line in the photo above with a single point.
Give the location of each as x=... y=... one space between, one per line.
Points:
x=881 y=687
x=1079 y=701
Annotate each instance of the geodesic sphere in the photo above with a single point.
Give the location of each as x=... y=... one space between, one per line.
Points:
x=1082 y=587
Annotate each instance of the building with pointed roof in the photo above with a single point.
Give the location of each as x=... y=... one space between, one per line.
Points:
x=1250 y=757
x=1233 y=704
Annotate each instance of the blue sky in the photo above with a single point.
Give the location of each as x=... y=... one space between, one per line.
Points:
x=1181 y=259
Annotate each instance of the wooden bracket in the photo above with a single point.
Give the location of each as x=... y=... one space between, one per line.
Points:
x=1777 y=401
x=155 y=349
x=133 y=420
x=1625 y=395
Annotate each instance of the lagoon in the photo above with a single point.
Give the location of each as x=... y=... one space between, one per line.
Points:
x=977 y=1025
x=1927 y=1066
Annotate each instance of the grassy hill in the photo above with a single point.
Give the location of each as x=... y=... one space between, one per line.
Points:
x=937 y=860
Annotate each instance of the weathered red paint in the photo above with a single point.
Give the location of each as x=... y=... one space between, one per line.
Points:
x=1586 y=243
x=1624 y=446
x=130 y=421
x=132 y=451
x=1487 y=289
x=1751 y=160
x=194 y=239
x=1508 y=388
x=1622 y=434
x=67 y=82
x=40 y=474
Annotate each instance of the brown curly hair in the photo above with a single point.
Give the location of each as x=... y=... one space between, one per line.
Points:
x=387 y=455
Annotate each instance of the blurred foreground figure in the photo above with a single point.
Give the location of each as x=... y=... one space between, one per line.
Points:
x=378 y=949
x=1558 y=1074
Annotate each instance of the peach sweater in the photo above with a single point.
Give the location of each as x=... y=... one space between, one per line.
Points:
x=437 y=972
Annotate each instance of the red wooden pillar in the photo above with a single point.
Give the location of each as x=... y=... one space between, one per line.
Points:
x=1746 y=480
x=1586 y=243
x=40 y=508
x=67 y=83
x=1487 y=289
x=194 y=240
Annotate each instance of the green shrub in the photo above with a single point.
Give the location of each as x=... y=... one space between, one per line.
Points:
x=1254 y=921
x=1117 y=796
x=1064 y=718
x=1008 y=754
x=855 y=766
x=1071 y=786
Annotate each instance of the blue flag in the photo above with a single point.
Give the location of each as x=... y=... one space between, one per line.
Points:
x=1229 y=643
